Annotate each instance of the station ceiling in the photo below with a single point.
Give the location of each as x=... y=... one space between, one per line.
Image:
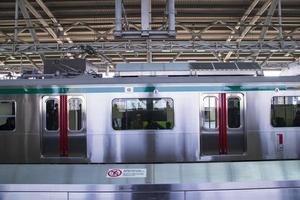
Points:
x=206 y=31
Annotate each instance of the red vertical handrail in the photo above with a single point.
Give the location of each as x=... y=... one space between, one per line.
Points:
x=63 y=125
x=66 y=143
x=220 y=124
x=61 y=132
x=225 y=148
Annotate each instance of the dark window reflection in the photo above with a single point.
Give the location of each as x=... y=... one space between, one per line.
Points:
x=130 y=114
x=7 y=115
x=285 y=111
x=234 y=113
x=52 y=115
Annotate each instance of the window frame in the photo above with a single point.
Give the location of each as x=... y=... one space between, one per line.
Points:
x=15 y=116
x=45 y=114
x=133 y=98
x=280 y=127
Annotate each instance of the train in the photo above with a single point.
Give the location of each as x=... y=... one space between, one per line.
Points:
x=156 y=119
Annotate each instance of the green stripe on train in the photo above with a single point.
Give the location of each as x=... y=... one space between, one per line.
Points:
x=137 y=89
x=207 y=88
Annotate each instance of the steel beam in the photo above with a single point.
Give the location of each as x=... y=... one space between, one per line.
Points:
x=177 y=56
x=42 y=21
x=28 y=21
x=251 y=24
x=122 y=57
x=266 y=60
x=268 y=20
x=217 y=56
x=31 y=62
x=54 y=20
x=49 y=13
x=280 y=21
x=126 y=25
x=156 y=46
x=244 y=17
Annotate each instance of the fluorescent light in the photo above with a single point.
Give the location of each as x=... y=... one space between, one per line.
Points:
x=129 y=51
x=166 y=50
x=200 y=50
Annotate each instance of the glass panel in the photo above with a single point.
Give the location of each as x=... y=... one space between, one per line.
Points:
x=210 y=112
x=131 y=114
x=7 y=115
x=52 y=115
x=234 y=113
x=75 y=114
x=285 y=111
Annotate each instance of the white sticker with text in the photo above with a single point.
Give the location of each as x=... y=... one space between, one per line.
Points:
x=126 y=173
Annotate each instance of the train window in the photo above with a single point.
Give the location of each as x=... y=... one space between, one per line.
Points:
x=143 y=113
x=234 y=112
x=75 y=114
x=52 y=119
x=7 y=115
x=210 y=112
x=285 y=111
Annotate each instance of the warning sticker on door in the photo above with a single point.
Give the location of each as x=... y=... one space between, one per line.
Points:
x=126 y=173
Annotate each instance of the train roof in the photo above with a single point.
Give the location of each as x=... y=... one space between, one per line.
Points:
x=83 y=80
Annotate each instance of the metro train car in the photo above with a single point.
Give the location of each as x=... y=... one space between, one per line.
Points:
x=149 y=119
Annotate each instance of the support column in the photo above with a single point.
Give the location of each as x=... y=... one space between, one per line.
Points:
x=171 y=17
x=146 y=16
x=118 y=19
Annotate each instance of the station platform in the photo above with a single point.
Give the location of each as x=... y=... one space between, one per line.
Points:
x=276 y=180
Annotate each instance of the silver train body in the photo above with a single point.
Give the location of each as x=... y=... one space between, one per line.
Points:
x=188 y=140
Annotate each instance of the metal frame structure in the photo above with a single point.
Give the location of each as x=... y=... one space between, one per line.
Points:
x=266 y=32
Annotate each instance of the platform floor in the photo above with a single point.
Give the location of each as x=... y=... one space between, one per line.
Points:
x=277 y=180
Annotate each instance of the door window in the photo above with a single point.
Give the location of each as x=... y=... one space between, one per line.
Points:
x=75 y=114
x=234 y=119
x=210 y=112
x=52 y=117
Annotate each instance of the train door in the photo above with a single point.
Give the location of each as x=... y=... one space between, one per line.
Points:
x=63 y=128
x=222 y=124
